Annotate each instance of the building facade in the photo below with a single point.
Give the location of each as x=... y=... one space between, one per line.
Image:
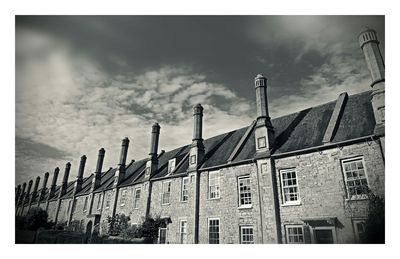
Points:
x=299 y=178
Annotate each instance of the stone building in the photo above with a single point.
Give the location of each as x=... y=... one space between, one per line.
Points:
x=299 y=178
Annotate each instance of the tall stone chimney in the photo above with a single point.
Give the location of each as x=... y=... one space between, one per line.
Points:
x=264 y=132
x=152 y=164
x=369 y=44
x=120 y=173
x=97 y=174
x=17 y=193
x=197 y=148
x=79 y=177
x=53 y=183
x=44 y=186
x=22 y=195
x=64 y=184
x=36 y=186
x=28 y=192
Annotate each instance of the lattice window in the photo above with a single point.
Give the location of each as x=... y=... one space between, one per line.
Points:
x=166 y=192
x=355 y=178
x=247 y=235
x=244 y=191
x=213 y=185
x=213 y=231
x=185 y=189
x=294 y=234
x=290 y=187
x=137 y=197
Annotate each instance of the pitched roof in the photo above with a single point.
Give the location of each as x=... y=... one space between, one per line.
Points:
x=293 y=132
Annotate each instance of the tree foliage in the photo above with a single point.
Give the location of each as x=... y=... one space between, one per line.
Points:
x=117 y=223
x=375 y=223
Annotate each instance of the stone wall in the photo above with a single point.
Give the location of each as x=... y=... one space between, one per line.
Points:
x=322 y=188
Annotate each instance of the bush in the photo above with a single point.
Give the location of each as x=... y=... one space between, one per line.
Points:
x=117 y=223
x=35 y=218
x=149 y=228
x=375 y=224
x=129 y=232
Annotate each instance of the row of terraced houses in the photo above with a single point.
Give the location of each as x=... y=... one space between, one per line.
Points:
x=299 y=178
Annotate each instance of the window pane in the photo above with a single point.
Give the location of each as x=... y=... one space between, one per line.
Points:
x=356 y=181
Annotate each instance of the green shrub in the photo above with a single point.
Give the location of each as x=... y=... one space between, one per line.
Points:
x=117 y=223
x=375 y=223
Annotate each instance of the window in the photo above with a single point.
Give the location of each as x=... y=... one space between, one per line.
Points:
x=183 y=231
x=147 y=171
x=171 y=165
x=85 y=204
x=244 y=191
x=323 y=235
x=359 y=227
x=213 y=231
x=162 y=235
x=213 y=185
x=137 y=198
x=193 y=159
x=294 y=234
x=261 y=143
x=185 y=191
x=99 y=201
x=355 y=178
x=108 y=200
x=123 y=197
x=166 y=192
x=246 y=235
x=290 y=187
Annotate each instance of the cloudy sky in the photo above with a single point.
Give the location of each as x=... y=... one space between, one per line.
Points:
x=86 y=82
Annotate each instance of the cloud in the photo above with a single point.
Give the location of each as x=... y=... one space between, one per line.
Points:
x=68 y=103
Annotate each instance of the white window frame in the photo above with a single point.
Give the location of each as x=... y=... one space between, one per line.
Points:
x=218 y=186
x=348 y=160
x=185 y=191
x=239 y=179
x=287 y=227
x=241 y=234
x=219 y=230
x=171 y=165
x=108 y=200
x=124 y=192
x=183 y=235
x=135 y=198
x=284 y=201
x=99 y=201
x=313 y=229
x=163 y=193
x=159 y=235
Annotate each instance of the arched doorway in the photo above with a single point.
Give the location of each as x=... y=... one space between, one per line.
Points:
x=88 y=234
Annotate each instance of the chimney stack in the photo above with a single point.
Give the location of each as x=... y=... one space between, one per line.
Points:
x=155 y=133
x=369 y=44
x=197 y=148
x=34 y=192
x=36 y=186
x=97 y=175
x=17 y=194
x=44 y=186
x=64 y=183
x=120 y=173
x=152 y=164
x=28 y=192
x=264 y=132
x=79 y=177
x=54 y=183
x=22 y=195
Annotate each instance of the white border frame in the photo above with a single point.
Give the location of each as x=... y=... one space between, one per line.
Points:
x=162 y=192
x=241 y=227
x=187 y=185
x=244 y=206
x=219 y=184
x=354 y=158
x=208 y=230
x=284 y=202
x=313 y=229
x=287 y=234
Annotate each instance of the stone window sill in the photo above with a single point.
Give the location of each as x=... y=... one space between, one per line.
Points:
x=243 y=207
x=288 y=204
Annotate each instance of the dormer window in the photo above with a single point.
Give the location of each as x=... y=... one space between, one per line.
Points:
x=171 y=165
